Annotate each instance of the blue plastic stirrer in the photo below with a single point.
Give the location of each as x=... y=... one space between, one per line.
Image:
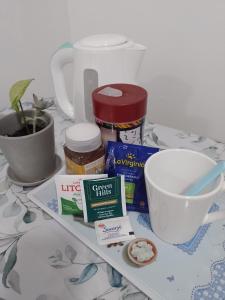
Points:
x=196 y=188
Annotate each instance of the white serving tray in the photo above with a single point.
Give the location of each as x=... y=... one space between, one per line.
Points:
x=179 y=271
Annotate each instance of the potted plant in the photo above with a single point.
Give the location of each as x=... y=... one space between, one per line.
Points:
x=27 y=138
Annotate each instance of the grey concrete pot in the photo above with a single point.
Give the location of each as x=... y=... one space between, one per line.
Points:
x=30 y=157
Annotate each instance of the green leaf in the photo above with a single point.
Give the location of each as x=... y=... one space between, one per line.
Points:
x=29 y=217
x=11 y=261
x=41 y=104
x=58 y=254
x=2 y=261
x=14 y=281
x=17 y=91
x=88 y=272
x=70 y=253
x=115 y=278
x=134 y=296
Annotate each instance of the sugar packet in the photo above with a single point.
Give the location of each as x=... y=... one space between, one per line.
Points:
x=114 y=230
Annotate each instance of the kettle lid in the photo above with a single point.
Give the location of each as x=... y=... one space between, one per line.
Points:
x=103 y=40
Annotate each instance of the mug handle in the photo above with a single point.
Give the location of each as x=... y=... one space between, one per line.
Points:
x=215 y=216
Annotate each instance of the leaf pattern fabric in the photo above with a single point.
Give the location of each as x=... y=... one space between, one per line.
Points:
x=11 y=261
x=12 y=210
x=39 y=259
x=87 y=273
x=3 y=199
x=115 y=278
x=29 y=217
x=70 y=253
x=47 y=297
x=14 y=281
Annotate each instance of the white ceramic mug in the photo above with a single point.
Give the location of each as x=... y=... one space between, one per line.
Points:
x=175 y=218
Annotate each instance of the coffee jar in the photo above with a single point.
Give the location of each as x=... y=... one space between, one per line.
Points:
x=84 y=151
x=120 y=111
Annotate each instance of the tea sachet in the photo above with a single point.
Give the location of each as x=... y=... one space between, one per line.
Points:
x=69 y=193
x=103 y=198
x=129 y=160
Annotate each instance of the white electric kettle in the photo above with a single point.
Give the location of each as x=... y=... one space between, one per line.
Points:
x=98 y=60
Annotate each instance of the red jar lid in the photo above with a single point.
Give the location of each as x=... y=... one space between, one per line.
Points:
x=128 y=106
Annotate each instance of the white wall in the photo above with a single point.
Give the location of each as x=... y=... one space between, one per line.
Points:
x=184 y=67
x=30 y=31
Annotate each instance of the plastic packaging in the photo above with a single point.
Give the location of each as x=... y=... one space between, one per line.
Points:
x=129 y=160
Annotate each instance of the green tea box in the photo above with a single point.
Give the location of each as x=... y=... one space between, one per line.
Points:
x=103 y=198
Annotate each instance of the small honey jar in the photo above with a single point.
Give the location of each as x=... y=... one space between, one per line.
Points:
x=84 y=151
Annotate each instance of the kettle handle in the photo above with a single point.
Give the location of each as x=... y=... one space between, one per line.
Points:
x=61 y=57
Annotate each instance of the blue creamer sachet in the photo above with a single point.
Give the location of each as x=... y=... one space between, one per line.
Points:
x=129 y=160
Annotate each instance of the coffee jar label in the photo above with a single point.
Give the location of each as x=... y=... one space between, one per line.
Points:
x=130 y=132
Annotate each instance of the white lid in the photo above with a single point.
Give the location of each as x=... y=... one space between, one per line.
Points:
x=103 y=40
x=83 y=137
